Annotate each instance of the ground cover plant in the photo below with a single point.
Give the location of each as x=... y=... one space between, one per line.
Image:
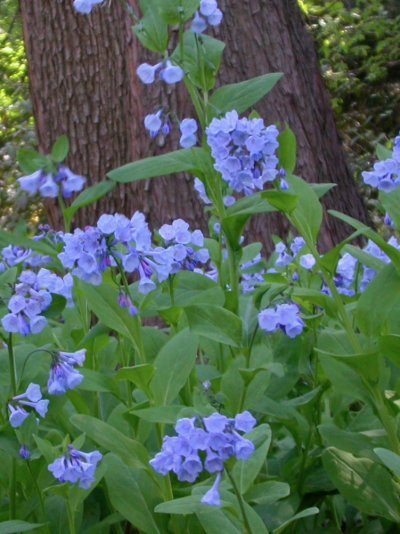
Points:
x=266 y=397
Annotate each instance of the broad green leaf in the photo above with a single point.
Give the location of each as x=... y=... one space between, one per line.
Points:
x=162 y=414
x=353 y=442
x=215 y=323
x=201 y=60
x=151 y=30
x=185 y=160
x=365 y=484
x=307 y=215
x=382 y=152
x=60 y=149
x=175 y=11
x=30 y=160
x=140 y=375
x=317 y=298
x=322 y=189
x=215 y=521
x=379 y=307
x=365 y=258
x=390 y=459
x=103 y=301
x=173 y=365
x=243 y=95
x=112 y=440
x=389 y=346
x=287 y=151
x=246 y=471
x=16 y=526
x=267 y=492
x=301 y=515
x=281 y=200
x=96 y=381
x=126 y=493
x=182 y=506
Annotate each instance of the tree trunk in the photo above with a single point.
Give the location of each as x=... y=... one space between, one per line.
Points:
x=83 y=84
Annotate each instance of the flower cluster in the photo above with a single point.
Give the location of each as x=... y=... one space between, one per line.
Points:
x=165 y=70
x=244 y=151
x=286 y=257
x=63 y=375
x=204 y=444
x=208 y=14
x=32 y=296
x=184 y=245
x=118 y=240
x=188 y=128
x=76 y=466
x=85 y=6
x=285 y=317
x=32 y=398
x=157 y=123
x=14 y=255
x=346 y=270
x=386 y=173
x=49 y=185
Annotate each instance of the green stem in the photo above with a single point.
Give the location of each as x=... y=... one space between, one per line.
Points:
x=34 y=479
x=239 y=496
x=71 y=519
x=11 y=363
x=389 y=422
x=234 y=278
x=13 y=489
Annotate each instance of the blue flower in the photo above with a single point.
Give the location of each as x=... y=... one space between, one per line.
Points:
x=212 y=497
x=32 y=398
x=244 y=151
x=63 y=375
x=208 y=14
x=285 y=317
x=85 y=6
x=76 y=466
x=24 y=452
x=386 y=174
x=188 y=129
x=166 y=71
x=48 y=185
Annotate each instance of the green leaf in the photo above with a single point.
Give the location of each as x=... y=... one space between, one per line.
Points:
x=185 y=160
x=307 y=215
x=372 y=317
x=301 y=515
x=173 y=365
x=96 y=381
x=267 y=492
x=162 y=414
x=201 y=60
x=241 y=96
x=176 y=11
x=105 y=435
x=382 y=152
x=103 y=301
x=246 y=471
x=365 y=484
x=215 y=521
x=215 y=323
x=322 y=189
x=152 y=30
x=12 y=238
x=389 y=346
x=391 y=203
x=287 y=151
x=281 y=200
x=182 y=506
x=16 y=526
x=390 y=459
x=125 y=491
x=30 y=160
x=91 y=195
x=140 y=375
x=60 y=149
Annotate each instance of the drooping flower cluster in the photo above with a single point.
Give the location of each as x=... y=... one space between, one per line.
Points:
x=32 y=398
x=32 y=296
x=386 y=174
x=128 y=242
x=244 y=151
x=49 y=185
x=285 y=317
x=204 y=444
x=63 y=375
x=85 y=6
x=188 y=128
x=157 y=123
x=252 y=274
x=76 y=466
x=286 y=257
x=185 y=246
x=14 y=255
x=347 y=267
x=208 y=15
x=165 y=71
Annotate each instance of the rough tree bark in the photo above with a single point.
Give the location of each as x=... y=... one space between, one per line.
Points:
x=83 y=83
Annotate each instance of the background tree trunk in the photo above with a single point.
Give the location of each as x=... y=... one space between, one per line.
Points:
x=83 y=84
